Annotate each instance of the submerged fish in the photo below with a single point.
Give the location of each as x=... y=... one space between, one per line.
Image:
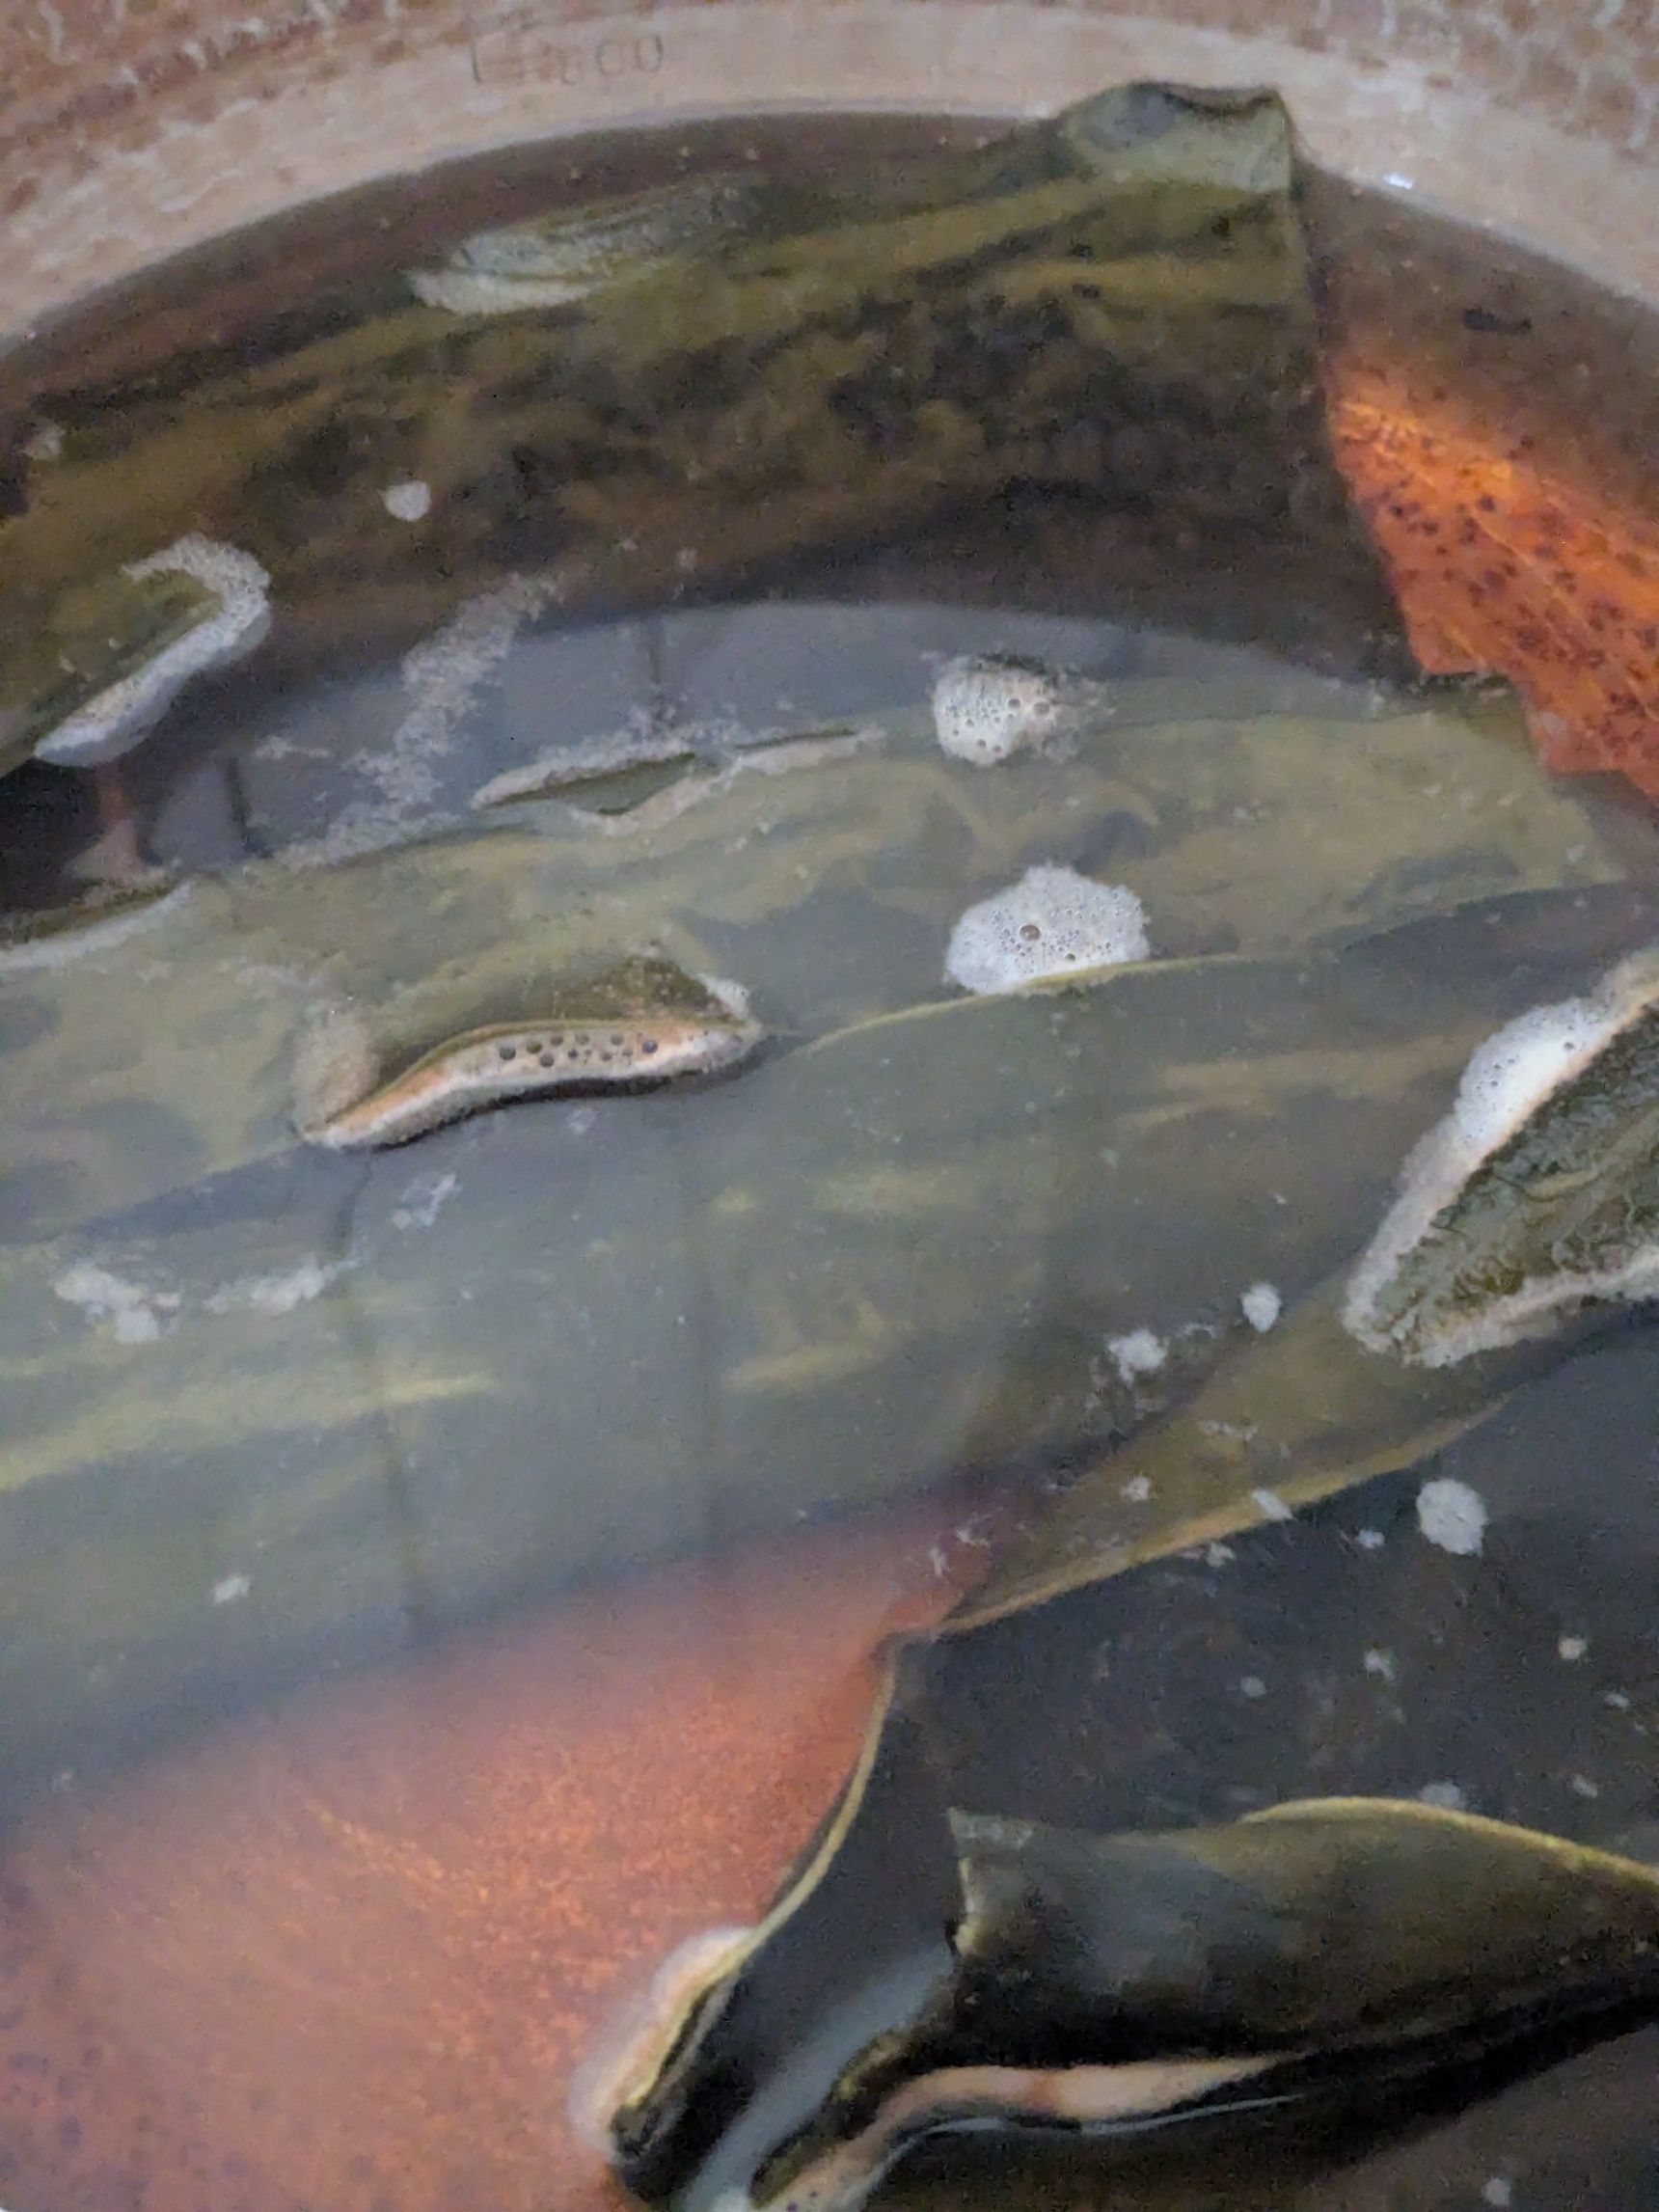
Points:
x=743 y=370
x=689 y=1030
x=554 y=259
x=1319 y=1403
x=1539 y=1191
x=633 y=783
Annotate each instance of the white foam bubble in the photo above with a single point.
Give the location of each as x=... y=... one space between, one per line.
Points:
x=410 y=501
x=423 y=1200
x=736 y=998
x=124 y=715
x=1262 y=1305
x=1515 y=1070
x=1051 y=924
x=1452 y=1515
x=276 y=1293
x=1139 y=1353
x=129 y=1311
x=134 y=1311
x=1443 y=1797
x=988 y=706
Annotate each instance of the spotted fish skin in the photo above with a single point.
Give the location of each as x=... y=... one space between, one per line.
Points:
x=494 y=1066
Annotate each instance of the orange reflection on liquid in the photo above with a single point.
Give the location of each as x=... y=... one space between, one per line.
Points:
x=345 y=1956
x=1505 y=561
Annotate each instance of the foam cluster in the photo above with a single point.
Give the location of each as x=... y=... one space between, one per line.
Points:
x=1515 y=1070
x=1508 y=1081
x=987 y=706
x=1053 y=923
x=124 y=713
x=1142 y=1351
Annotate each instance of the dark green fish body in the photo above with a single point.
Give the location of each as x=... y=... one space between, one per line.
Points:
x=1115 y=300
x=1089 y=1981
x=1134 y=1981
x=1341 y=1935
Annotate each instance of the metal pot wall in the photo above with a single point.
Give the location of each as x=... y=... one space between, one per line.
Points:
x=130 y=129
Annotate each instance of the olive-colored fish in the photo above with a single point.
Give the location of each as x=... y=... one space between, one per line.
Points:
x=553 y=259
x=1114 y=301
x=689 y=1030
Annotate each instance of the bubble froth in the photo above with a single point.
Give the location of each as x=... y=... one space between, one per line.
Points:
x=1051 y=924
x=988 y=706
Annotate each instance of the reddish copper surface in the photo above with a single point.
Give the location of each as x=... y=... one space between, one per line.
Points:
x=1504 y=557
x=345 y=1956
